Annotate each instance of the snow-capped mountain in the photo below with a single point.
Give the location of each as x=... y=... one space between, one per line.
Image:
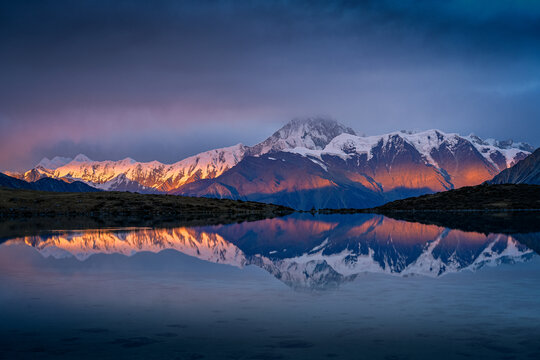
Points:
x=55 y=163
x=356 y=171
x=305 y=252
x=524 y=172
x=45 y=184
x=149 y=177
x=427 y=143
x=310 y=133
x=312 y=162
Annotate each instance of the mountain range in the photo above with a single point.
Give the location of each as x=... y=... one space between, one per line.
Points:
x=45 y=184
x=526 y=171
x=308 y=163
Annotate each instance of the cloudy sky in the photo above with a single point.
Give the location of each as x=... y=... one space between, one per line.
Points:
x=166 y=79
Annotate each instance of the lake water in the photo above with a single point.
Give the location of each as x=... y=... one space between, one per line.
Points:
x=299 y=287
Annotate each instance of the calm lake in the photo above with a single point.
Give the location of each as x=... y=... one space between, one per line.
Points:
x=300 y=287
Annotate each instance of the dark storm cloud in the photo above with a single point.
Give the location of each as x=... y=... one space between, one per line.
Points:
x=141 y=78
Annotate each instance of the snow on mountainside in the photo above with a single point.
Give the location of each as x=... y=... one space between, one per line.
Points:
x=45 y=184
x=149 y=177
x=310 y=133
x=55 y=163
x=526 y=171
x=354 y=171
x=366 y=169
x=492 y=150
x=425 y=142
x=206 y=165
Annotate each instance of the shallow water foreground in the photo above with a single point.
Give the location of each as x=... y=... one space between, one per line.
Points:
x=300 y=287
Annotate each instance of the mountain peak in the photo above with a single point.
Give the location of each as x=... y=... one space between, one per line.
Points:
x=127 y=160
x=53 y=164
x=81 y=158
x=501 y=144
x=45 y=162
x=526 y=171
x=312 y=133
x=317 y=123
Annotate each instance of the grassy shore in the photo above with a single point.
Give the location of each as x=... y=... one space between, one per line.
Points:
x=16 y=202
x=471 y=198
x=24 y=211
x=482 y=208
x=506 y=208
x=481 y=197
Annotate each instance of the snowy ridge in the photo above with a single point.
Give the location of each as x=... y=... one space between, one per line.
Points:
x=426 y=142
x=510 y=150
x=313 y=138
x=209 y=164
x=130 y=175
x=55 y=163
x=310 y=133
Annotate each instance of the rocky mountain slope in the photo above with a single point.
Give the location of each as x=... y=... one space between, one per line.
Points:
x=527 y=171
x=130 y=175
x=45 y=184
x=357 y=171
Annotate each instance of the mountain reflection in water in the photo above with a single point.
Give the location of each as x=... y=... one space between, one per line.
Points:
x=304 y=251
